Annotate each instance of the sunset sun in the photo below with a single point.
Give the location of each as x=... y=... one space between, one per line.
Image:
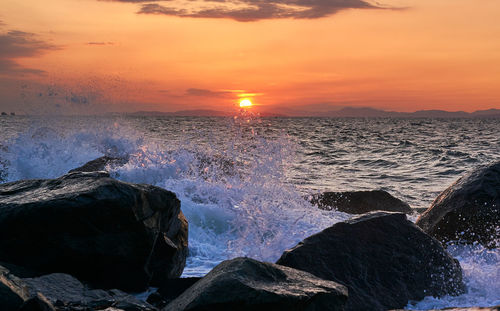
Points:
x=245 y=103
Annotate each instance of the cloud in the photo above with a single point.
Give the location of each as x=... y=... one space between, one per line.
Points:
x=16 y=44
x=100 y=43
x=135 y=1
x=206 y=93
x=253 y=10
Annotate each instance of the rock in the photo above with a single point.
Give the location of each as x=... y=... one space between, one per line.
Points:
x=100 y=164
x=109 y=233
x=63 y=292
x=419 y=210
x=247 y=284
x=382 y=258
x=67 y=293
x=169 y=290
x=468 y=211
x=359 y=202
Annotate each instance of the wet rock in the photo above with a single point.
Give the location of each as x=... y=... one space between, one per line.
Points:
x=67 y=293
x=106 y=232
x=100 y=164
x=468 y=211
x=169 y=290
x=247 y=284
x=360 y=202
x=61 y=292
x=382 y=258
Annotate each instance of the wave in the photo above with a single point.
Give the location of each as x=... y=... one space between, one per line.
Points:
x=235 y=196
x=235 y=192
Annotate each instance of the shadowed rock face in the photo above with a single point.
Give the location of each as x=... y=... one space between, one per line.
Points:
x=247 y=284
x=360 y=202
x=382 y=258
x=468 y=211
x=109 y=233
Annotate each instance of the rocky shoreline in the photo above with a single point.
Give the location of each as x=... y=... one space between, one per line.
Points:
x=86 y=241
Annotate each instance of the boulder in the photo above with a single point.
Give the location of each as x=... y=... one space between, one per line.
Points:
x=382 y=258
x=468 y=211
x=360 y=202
x=247 y=284
x=106 y=232
x=169 y=290
x=61 y=292
x=100 y=164
x=67 y=293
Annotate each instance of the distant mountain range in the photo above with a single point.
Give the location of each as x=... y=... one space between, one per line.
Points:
x=371 y=112
x=347 y=112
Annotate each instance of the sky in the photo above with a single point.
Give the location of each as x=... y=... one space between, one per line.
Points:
x=91 y=56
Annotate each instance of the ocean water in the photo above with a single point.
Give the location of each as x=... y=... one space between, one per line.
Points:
x=244 y=181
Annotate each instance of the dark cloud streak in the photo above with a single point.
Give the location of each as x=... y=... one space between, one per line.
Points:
x=254 y=10
x=206 y=93
x=16 y=44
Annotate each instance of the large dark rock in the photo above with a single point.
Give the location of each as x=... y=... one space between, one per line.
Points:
x=360 y=202
x=469 y=210
x=247 y=284
x=100 y=164
x=382 y=258
x=61 y=292
x=109 y=233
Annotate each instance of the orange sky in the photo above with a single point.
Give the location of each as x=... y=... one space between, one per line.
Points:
x=89 y=55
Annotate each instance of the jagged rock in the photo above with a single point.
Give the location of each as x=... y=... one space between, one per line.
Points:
x=469 y=210
x=169 y=290
x=67 y=293
x=382 y=258
x=247 y=284
x=359 y=202
x=61 y=292
x=100 y=164
x=109 y=233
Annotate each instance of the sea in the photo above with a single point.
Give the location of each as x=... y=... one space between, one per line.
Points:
x=244 y=181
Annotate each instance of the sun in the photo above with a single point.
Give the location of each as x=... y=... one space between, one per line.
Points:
x=245 y=103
